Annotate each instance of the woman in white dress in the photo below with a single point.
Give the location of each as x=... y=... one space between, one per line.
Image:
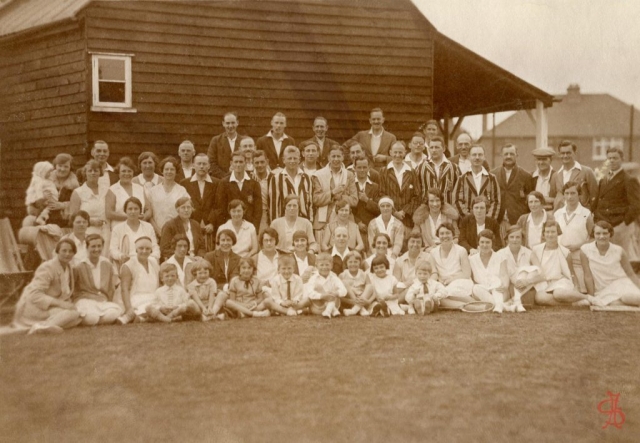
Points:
x=521 y=266
x=181 y=259
x=247 y=238
x=558 y=287
x=91 y=197
x=124 y=236
x=139 y=280
x=450 y=264
x=490 y=284
x=387 y=224
x=163 y=197
x=532 y=222
x=438 y=214
x=607 y=272
x=121 y=191
x=147 y=163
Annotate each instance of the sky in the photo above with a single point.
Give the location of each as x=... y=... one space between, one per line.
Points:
x=550 y=43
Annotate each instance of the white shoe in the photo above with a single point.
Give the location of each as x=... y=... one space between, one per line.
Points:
x=411 y=310
x=352 y=311
x=364 y=312
x=327 y=312
x=498 y=309
x=394 y=308
x=584 y=302
x=335 y=312
x=520 y=308
x=39 y=328
x=264 y=313
x=291 y=312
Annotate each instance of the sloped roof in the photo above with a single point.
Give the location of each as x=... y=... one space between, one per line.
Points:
x=467 y=84
x=21 y=15
x=593 y=115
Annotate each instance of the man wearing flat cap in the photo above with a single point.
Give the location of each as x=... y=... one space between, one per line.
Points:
x=542 y=179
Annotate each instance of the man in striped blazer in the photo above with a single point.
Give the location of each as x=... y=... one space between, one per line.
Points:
x=477 y=181
x=437 y=172
x=287 y=181
x=275 y=141
x=399 y=182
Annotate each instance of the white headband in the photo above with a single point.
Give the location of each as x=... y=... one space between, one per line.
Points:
x=385 y=200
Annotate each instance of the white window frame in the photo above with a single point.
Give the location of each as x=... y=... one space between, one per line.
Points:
x=96 y=104
x=600 y=145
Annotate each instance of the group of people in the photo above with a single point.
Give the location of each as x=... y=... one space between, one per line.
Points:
x=370 y=226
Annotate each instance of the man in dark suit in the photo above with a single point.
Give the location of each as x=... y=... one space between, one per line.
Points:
x=324 y=143
x=618 y=199
x=223 y=145
x=368 y=195
x=202 y=190
x=275 y=141
x=238 y=185
x=186 y=152
x=543 y=178
x=376 y=142
x=515 y=185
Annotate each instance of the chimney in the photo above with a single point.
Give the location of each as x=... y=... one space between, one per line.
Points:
x=573 y=93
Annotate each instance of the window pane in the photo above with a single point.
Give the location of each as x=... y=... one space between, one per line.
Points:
x=112 y=92
x=110 y=69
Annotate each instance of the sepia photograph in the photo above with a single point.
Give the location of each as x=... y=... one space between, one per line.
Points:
x=319 y=221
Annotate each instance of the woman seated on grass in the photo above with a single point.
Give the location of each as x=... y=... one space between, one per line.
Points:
x=558 y=287
x=360 y=293
x=139 y=281
x=521 y=266
x=450 y=264
x=490 y=284
x=96 y=279
x=45 y=304
x=607 y=272
x=223 y=260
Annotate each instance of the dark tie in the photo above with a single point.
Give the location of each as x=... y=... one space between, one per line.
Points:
x=288 y=289
x=425 y=288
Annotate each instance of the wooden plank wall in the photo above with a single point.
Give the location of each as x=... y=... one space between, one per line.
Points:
x=42 y=108
x=305 y=58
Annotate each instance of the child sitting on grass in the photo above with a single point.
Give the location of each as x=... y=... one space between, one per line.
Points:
x=171 y=299
x=324 y=289
x=384 y=286
x=423 y=294
x=285 y=289
x=203 y=289
x=245 y=296
x=359 y=290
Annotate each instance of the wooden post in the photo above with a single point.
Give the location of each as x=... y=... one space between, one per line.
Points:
x=542 y=130
x=446 y=133
x=631 y=134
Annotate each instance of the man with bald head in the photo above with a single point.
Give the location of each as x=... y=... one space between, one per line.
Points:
x=462 y=159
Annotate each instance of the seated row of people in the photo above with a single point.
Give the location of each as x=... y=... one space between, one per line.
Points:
x=63 y=294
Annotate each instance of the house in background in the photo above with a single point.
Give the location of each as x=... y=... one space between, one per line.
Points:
x=146 y=75
x=592 y=121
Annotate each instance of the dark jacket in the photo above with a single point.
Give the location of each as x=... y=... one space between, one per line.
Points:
x=618 y=199
x=468 y=237
x=513 y=194
x=265 y=143
x=217 y=261
x=203 y=206
x=174 y=227
x=251 y=195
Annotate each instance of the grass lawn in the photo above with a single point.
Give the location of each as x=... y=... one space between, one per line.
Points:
x=537 y=377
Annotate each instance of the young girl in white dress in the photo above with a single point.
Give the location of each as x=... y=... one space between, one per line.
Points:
x=359 y=290
x=385 y=285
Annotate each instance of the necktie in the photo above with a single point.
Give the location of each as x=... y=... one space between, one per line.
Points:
x=288 y=289
x=425 y=288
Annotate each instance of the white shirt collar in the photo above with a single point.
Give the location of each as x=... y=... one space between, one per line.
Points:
x=334 y=251
x=371 y=132
x=483 y=172
x=405 y=167
x=194 y=178
x=576 y=165
x=87 y=261
x=232 y=178
x=536 y=173
x=270 y=134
